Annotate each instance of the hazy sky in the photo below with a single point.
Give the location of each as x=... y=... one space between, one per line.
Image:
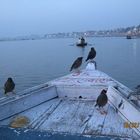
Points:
x=25 y=17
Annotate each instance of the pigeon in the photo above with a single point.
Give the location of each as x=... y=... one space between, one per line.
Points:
x=77 y=63
x=9 y=85
x=91 y=54
x=102 y=100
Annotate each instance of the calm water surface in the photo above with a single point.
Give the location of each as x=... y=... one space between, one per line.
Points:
x=34 y=62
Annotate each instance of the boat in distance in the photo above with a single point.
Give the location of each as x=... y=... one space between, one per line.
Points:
x=81 y=42
x=128 y=37
x=66 y=105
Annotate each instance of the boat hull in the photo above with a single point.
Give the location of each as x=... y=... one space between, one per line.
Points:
x=128 y=37
x=81 y=45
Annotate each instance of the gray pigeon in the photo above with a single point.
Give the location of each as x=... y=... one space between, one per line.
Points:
x=91 y=54
x=77 y=63
x=9 y=85
x=102 y=100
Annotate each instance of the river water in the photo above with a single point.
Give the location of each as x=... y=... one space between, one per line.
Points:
x=32 y=62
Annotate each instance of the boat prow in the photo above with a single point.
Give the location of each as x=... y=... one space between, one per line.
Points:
x=66 y=106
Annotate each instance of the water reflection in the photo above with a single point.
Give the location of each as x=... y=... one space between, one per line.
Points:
x=82 y=51
x=134 y=47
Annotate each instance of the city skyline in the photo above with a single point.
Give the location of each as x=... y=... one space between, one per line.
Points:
x=41 y=17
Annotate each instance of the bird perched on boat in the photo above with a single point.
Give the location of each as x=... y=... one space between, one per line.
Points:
x=9 y=85
x=91 y=54
x=102 y=100
x=77 y=63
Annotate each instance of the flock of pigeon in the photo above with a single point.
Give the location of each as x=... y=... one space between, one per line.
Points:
x=102 y=98
x=77 y=63
x=10 y=85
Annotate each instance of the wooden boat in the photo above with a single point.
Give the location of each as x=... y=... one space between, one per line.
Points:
x=81 y=42
x=65 y=106
x=128 y=37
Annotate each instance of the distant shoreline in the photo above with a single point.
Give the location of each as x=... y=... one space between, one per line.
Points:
x=133 y=31
x=43 y=38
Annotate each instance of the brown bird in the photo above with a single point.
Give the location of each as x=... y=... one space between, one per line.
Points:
x=77 y=63
x=102 y=100
x=9 y=85
x=91 y=54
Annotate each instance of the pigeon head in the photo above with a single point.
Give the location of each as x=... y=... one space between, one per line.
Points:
x=104 y=91
x=80 y=58
x=10 y=79
x=92 y=48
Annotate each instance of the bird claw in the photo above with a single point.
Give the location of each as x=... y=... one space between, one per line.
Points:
x=76 y=74
x=103 y=112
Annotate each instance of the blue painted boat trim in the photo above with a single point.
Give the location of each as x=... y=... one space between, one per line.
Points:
x=7 y=133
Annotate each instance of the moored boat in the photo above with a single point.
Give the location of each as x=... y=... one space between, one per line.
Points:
x=66 y=106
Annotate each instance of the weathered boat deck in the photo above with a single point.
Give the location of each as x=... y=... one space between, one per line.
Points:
x=66 y=105
x=75 y=117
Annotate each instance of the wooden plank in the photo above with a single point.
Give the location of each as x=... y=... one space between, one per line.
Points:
x=2 y=98
x=95 y=124
x=29 y=91
x=25 y=102
x=48 y=110
x=71 y=117
x=33 y=113
x=60 y=119
x=82 y=116
x=114 y=125
x=85 y=92
x=126 y=109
